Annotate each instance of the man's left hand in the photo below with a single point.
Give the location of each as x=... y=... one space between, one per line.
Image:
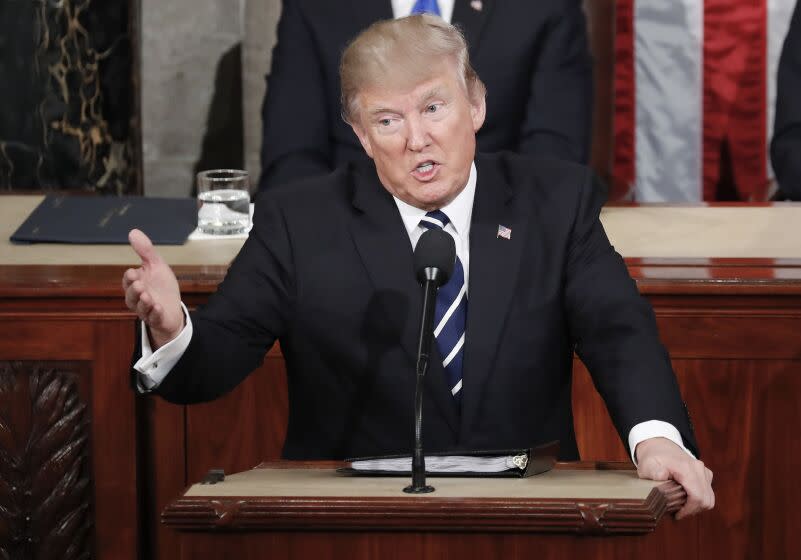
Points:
x=661 y=459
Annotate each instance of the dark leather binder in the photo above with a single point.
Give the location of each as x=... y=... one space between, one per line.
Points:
x=537 y=460
x=108 y=219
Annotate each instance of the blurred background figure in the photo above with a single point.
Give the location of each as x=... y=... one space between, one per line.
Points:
x=786 y=147
x=533 y=56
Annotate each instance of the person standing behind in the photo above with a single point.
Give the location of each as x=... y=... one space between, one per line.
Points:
x=533 y=56
x=785 y=149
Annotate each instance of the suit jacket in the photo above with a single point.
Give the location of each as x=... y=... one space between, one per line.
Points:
x=327 y=270
x=785 y=149
x=533 y=57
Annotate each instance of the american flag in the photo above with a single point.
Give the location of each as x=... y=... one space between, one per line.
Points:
x=695 y=89
x=504 y=232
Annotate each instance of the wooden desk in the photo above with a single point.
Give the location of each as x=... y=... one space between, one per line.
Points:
x=730 y=315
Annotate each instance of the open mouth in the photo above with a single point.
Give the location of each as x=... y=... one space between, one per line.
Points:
x=425 y=170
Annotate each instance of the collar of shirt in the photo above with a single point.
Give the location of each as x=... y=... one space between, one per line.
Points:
x=459 y=212
x=402 y=8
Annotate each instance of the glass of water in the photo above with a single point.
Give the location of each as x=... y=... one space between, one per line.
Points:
x=223 y=201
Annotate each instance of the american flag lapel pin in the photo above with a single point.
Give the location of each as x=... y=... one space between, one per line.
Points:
x=504 y=232
x=477 y=5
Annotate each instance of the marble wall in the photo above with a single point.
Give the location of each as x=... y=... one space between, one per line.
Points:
x=203 y=68
x=68 y=118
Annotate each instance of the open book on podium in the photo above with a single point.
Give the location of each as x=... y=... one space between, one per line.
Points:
x=502 y=463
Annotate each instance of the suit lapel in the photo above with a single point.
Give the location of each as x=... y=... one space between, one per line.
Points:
x=472 y=20
x=383 y=245
x=494 y=264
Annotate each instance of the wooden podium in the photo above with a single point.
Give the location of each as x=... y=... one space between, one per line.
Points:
x=725 y=283
x=308 y=510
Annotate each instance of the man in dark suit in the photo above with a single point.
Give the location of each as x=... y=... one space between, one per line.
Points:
x=327 y=270
x=533 y=56
x=785 y=149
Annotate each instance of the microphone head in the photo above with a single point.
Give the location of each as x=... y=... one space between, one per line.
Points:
x=434 y=256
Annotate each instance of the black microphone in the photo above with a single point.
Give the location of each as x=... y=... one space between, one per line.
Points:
x=434 y=258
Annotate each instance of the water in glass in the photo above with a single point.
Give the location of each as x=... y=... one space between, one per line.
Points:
x=224 y=202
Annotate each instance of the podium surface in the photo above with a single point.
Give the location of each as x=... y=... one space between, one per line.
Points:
x=567 y=499
x=282 y=508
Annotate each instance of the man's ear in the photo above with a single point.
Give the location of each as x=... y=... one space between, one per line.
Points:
x=478 y=111
x=361 y=134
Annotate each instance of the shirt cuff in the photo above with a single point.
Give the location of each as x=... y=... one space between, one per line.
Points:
x=153 y=367
x=654 y=429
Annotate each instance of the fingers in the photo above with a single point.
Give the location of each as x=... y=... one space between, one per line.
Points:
x=129 y=277
x=143 y=246
x=697 y=482
x=132 y=293
x=139 y=300
x=653 y=469
x=663 y=459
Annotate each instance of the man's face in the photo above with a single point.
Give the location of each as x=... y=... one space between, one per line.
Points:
x=421 y=138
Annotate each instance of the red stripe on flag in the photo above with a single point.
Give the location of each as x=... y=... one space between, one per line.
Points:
x=623 y=170
x=735 y=100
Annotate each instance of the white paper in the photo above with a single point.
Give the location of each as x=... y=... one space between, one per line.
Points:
x=446 y=464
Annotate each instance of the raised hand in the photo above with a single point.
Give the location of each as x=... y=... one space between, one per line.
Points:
x=661 y=459
x=151 y=291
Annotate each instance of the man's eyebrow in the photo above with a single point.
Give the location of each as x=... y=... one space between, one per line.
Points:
x=433 y=92
x=379 y=110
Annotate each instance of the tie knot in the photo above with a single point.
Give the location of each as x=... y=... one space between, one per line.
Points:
x=426 y=6
x=436 y=219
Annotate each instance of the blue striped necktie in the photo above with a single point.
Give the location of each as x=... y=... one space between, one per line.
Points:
x=426 y=7
x=450 y=316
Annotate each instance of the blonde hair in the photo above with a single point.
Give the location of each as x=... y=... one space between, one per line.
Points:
x=399 y=53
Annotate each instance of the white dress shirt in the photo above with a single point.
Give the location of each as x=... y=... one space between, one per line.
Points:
x=154 y=366
x=459 y=212
x=402 y=8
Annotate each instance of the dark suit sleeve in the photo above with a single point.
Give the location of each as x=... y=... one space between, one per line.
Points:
x=785 y=150
x=295 y=120
x=614 y=329
x=558 y=119
x=250 y=310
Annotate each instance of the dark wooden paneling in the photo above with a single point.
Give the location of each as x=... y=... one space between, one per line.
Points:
x=114 y=439
x=45 y=460
x=595 y=433
x=101 y=380
x=161 y=458
x=601 y=28
x=748 y=422
x=25 y=340
x=242 y=429
x=675 y=540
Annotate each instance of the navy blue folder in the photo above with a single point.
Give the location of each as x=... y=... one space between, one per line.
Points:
x=108 y=219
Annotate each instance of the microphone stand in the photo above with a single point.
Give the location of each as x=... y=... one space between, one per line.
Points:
x=418 y=485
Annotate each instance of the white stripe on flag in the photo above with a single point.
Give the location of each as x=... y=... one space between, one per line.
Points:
x=668 y=52
x=455 y=351
x=780 y=12
x=450 y=311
